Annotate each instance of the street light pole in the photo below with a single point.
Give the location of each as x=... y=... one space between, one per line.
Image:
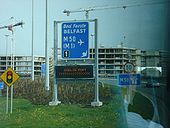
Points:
x=46 y=54
x=6 y=49
x=92 y=35
x=32 y=75
x=96 y=101
x=12 y=66
x=6 y=69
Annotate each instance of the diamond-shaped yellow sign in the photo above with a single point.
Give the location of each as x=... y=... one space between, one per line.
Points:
x=9 y=76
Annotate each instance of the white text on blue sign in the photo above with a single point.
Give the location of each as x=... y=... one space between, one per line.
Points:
x=129 y=79
x=75 y=40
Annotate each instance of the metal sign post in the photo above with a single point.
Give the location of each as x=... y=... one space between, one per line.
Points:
x=55 y=100
x=129 y=81
x=129 y=68
x=9 y=77
x=75 y=45
x=96 y=101
x=12 y=89
x=7 y=100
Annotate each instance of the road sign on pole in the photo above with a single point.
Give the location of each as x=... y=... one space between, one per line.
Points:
x=75 y=45
x=9 y=76
x=129 y=67
x=1 y=85
x=75 y=40
x=129 y=79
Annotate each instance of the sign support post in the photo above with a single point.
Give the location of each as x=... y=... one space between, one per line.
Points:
x=96 y=101
x=75 y=46
x=7 y=100
x=130 y=81
x=9 y=77
x=129 y=68
x=128 y=98
x=12 y=89
x=55 y=100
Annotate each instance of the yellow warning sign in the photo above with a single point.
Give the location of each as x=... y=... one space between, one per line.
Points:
x=9 y=76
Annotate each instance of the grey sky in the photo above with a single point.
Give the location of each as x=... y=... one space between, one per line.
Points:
x=144 y=27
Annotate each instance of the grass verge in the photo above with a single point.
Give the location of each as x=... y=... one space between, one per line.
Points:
x=110 y=115
x=142 y=106
x=27 y=115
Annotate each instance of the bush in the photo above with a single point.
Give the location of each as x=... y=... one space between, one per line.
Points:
x=69 y=91
x=76 y=91
x=34 y=91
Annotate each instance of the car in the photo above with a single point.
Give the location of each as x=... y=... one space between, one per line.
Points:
x=152 y=84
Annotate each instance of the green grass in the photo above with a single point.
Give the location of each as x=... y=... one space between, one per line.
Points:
x=110 y=115
x=26 y=115
x=142 y=106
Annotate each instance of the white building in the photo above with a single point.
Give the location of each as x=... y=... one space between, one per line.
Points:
x=111 y=62
x=22 y=64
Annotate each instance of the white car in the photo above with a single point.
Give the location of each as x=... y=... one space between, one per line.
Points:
x=152 y=84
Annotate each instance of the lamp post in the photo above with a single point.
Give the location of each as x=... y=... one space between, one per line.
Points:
x=46 y=54
x=32 y=75
x=6 y=69
x=92 y=36
x=12 y=66
x=6 y=50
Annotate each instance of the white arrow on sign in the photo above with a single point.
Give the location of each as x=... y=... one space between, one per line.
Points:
x=84 y=54
x=80 y=42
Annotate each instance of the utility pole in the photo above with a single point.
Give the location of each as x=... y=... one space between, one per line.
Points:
x=92 y=37
x=32 y=75
x=6 y=69
x=12 y=66
x=6 y=50
x=46 y=53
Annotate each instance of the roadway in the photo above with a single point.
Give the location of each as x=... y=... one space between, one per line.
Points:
x=159 y=98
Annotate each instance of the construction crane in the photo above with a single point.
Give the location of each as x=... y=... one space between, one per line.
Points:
x=87 y=10
x=10 y=27
x=108 y=7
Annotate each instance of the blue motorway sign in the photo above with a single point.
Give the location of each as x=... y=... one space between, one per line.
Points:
x=75 y=40
x=129 y=79
x=1 y=85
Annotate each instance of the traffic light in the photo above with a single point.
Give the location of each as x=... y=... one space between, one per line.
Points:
x=9 y=77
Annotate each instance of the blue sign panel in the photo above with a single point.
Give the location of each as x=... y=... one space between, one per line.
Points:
x=75 y=41
x=129 y=79
x=1 y=85
x=43 y=69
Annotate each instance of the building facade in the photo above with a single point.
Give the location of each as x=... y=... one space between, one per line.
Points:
x=22 y=64
x=151 y=64
x=111 y=62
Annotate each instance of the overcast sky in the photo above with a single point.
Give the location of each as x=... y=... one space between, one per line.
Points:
x=144 y=27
